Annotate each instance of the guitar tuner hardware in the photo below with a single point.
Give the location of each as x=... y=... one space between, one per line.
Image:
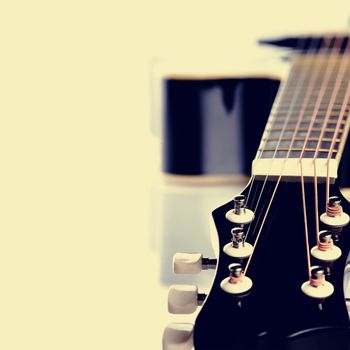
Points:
x=238 y=248
x=178 y=336
x=334 y=215
x=239 y=203
x=317 y=275
x=317 y=287
x=334 y=206
x=209 y=264
x=335 y=236
x=237 y=282
x=325 y=249
x=238 y=237
x=328 y=268
x=240 y=214
x=192 y=263
x=236 y=271
x=184 y=299
x=336 y=232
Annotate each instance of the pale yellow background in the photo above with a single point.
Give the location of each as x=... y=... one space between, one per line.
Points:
x=77 y=157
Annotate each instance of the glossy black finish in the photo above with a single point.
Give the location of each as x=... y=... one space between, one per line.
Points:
x=213 y=126
x=276 y=314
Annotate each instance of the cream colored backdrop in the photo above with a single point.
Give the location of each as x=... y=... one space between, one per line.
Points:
x=77 y=156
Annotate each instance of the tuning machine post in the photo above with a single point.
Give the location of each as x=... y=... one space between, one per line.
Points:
x=237 y=283
x=325 y=249
x=317 y=287
x=334 y=215
x=240 y=214
x=238 y=247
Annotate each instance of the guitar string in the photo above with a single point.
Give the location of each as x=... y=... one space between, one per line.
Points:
x=339 y=78
x=265 y=180
x=337 y=129
x=315 y=42
x=281 y=89
x=290 y=80
x=266 y=177
x=320 y=97
x=258 y=156
x=284 y=84
x=328 y=71
x=312 y=46
x=276 y=186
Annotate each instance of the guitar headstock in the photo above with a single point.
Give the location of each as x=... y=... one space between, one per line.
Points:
x=262 y=292
x=262 y=296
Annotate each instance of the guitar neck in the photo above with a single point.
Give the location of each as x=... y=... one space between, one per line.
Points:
x=309 y=121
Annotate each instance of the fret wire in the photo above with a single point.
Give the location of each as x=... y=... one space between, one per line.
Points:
x=297 y=149
x=343 y=87
x=337 y=104
x=323 y=105
x=319 y=81
x=286 y=98
x=280 y=115
x=321 y=78
x=322 y=113
x=327 y=139
x=308 y=109
x=308 y=114
x=296 y=93
x=312 y=94
x=337 y=91
x=278 y=121
x=299 y=103
x=326 y=116
x=303 y=129
x=329 y=88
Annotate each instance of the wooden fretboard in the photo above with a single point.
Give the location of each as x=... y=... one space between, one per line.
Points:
x=310 y=117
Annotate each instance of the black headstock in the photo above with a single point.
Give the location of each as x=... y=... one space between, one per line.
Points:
x=275 y=313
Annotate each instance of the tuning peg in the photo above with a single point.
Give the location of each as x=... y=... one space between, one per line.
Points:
x=237 y=282
x=334 y=215
x=192 y=263
x=325 y=249
x=238 y=248
x=184 y=299
x=178 y=336
x=317 y=287
x=240 y=214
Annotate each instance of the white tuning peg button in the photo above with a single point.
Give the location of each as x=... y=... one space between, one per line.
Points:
x=178 y=336
x=191 y=263
x=184 y=299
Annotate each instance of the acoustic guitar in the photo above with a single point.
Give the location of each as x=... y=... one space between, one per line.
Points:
x=284 y=241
